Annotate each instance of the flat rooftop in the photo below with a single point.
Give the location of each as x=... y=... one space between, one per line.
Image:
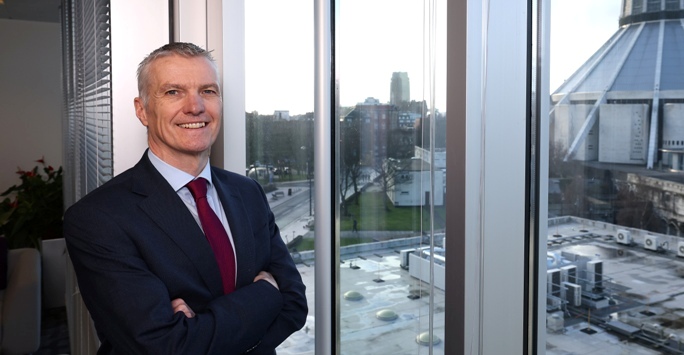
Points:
x=362 y=332
x=646 y=295
x=645 y=312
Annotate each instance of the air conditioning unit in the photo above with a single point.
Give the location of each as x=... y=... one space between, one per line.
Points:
x=569 y=274
x=553 y=303
x=553 y=282
x=680 y=249
x=594 y=275
x=404 y=258
x=623 y=237
x=651 y=242
x=573 y=294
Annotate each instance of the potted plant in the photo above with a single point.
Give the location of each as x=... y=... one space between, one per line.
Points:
x=31 y=217
x=32 y=210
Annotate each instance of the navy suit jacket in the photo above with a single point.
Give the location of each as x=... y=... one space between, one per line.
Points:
x=135 y=247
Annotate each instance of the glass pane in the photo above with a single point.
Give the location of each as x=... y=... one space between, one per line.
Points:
x=391 y=176
x=279 y=128
x=615 y=252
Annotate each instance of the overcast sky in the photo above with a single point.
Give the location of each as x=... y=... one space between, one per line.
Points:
x=578 y=29
x=375 y=39
x=378 y=37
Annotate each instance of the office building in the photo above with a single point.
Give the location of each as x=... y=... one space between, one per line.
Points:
x=400 y=89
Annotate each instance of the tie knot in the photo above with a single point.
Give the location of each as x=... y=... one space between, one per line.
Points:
x=198 y=188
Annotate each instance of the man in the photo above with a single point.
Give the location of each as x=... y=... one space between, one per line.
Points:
x=153 y=282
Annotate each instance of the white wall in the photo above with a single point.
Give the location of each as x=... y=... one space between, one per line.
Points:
x=412 y=192
x=137 y=28
x=30 y=96
x=623 y=133
x=568 y=124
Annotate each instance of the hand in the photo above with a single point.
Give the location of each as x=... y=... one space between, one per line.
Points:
x=263 y=275
x=180 y=306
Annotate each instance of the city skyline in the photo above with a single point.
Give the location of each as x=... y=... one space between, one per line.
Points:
x=280 y=72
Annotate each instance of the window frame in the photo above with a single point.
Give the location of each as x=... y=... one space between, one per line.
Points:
x=486 y=92
x=483 y=225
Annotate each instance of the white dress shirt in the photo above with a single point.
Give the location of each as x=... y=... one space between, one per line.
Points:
x=178 y=179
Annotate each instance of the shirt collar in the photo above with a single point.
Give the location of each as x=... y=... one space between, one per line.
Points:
x=177 y=178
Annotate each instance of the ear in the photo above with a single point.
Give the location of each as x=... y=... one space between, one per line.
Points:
x=140 y=111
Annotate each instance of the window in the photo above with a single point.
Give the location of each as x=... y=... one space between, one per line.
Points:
x=391 y=226
x=280 y=151
x=374 y=220
x=653 y=5
x=638 y=6
x=672 y=4
x=613 y=242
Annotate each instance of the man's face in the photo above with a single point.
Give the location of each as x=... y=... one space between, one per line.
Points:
x=183 y=112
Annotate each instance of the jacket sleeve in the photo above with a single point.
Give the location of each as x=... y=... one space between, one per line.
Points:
x=131 y=306
x=294 y=311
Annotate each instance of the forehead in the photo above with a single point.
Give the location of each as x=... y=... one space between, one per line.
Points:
x=185 y=70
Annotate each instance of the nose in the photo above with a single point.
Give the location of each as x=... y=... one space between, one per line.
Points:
x=194 y=104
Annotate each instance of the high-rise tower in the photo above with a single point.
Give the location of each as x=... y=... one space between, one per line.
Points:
x=400 y=89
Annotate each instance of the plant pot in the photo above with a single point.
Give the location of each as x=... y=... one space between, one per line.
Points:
x=53 y=254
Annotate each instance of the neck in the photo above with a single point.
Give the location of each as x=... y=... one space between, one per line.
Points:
x=191 y=164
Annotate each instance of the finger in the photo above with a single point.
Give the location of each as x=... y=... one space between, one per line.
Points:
x=185 y=309
x=179 y=305
x=266 y=276
x=188 y=312
x=263 y=275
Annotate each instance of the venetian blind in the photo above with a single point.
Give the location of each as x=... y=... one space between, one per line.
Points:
x=87 y=91
x=87 y=130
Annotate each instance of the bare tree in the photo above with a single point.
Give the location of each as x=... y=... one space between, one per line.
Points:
x=350 y=167
x=635 y=209
x=391 y=172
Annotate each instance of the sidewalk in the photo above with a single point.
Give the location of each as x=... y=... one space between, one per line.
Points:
x=298 y=227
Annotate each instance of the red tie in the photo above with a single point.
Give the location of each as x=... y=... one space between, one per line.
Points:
x=215 y=233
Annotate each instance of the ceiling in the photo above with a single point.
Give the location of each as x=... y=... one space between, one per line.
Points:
x=31 y=10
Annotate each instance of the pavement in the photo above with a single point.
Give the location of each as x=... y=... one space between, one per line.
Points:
x=300 y=225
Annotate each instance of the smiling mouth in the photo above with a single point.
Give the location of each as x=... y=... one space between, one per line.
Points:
x=193 y=125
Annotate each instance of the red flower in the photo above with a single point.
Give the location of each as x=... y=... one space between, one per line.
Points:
x=41 y=160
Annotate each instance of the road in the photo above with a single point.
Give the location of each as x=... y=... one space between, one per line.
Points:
x=292 y=212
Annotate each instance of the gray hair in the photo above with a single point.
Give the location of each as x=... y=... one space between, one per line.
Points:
x=187 y=50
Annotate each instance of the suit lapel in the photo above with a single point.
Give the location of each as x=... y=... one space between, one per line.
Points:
x=163 y=206
x=240 y=228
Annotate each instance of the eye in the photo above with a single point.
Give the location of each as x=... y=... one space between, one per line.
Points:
x=172 y=92
x=210 y=92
